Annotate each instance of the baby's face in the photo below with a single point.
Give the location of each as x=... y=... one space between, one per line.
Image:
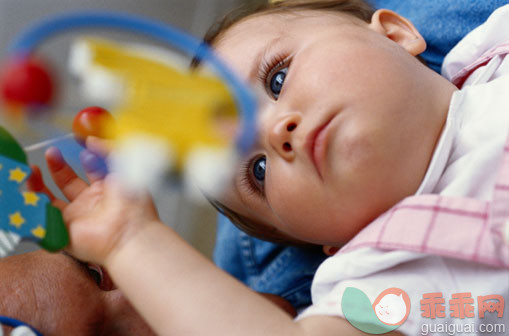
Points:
x=347 y=123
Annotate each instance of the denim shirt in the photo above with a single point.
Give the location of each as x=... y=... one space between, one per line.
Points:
x=267 y=267
x=288 y=271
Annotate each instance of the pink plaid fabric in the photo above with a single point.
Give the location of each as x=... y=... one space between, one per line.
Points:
x=455 y=227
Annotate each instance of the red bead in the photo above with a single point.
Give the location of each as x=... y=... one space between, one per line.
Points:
x=91 y=121
x=26 y=82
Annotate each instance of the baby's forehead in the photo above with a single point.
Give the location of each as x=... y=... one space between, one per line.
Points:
x=279 y=23
x=255 y=25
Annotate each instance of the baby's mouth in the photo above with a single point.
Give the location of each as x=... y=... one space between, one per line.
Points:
x=318 y=145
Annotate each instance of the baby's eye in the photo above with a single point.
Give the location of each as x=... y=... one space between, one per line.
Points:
x=259 y=167
x=275 y=82
x=253 y=175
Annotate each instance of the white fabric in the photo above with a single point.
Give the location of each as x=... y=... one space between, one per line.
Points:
x=465 y=163
x=492 y=33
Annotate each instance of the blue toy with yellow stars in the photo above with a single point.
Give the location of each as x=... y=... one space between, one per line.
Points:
x=25 y=214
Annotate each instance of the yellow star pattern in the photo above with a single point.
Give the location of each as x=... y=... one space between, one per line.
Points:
x=31 y=198
x=17 y=175
x=16 y=219
x=39 y=232
x=1 y=166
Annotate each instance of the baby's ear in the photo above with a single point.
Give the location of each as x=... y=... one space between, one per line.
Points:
x=398 y=29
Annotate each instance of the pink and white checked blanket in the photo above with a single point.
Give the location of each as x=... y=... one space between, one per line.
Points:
x=455 y=227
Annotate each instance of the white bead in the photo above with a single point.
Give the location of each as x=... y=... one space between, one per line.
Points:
x=23 y=331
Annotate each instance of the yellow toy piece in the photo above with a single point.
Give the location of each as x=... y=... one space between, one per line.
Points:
x=186 y=109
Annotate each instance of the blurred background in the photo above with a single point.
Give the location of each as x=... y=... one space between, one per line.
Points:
x=194 y=221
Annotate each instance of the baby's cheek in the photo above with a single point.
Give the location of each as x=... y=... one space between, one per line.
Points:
x=295 y=215
x=297 y=200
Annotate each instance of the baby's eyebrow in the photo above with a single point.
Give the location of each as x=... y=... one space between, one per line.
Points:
x=254 y=74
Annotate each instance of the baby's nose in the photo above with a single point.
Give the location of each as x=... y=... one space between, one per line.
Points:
x=281 y=135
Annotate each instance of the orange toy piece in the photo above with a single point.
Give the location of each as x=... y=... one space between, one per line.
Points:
x=91 y=121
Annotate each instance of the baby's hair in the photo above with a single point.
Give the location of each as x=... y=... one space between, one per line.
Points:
x=252 y=228
x=356 y=8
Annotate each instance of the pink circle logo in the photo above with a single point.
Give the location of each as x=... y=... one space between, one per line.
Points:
x=392 y=306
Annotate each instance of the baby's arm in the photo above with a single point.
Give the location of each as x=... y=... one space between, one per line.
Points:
x=176 y=290
x=180 y=292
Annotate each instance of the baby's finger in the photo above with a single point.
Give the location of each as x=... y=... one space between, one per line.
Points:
x=85 y=204
x=99 y=146
x=95 y=166
x=63 y=175
x=35 y=183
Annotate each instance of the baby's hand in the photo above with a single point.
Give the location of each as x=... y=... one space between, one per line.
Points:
x=104 y=217
x=100 y=217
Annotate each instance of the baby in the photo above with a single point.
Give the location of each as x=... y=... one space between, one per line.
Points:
x=351 y=124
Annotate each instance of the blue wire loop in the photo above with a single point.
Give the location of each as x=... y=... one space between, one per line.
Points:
x=27 y=42
x=11 y=322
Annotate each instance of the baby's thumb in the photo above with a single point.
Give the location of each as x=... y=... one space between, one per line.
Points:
x=98 y=145
x=94 y=165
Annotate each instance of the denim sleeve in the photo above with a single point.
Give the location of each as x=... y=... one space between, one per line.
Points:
x=288 y=271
